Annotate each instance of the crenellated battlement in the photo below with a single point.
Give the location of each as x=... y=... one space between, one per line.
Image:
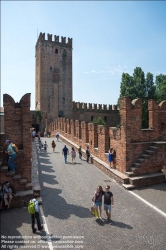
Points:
x=41 y=40
x=80 y=106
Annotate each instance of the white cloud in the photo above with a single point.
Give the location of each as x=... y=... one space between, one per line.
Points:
x=115 y=70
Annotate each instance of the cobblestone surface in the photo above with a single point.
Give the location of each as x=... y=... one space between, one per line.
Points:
x=155 y=194
x=67 y=190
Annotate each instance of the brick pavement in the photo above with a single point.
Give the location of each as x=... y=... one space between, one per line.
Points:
x=155 y=194
x=67 y=190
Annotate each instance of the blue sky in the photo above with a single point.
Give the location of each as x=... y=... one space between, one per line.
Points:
x=109 y=38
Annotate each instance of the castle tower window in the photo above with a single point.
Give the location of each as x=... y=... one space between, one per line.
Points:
x=105 y=118
x=92 y=117
x=50 y=68
x=56 y=51
x=63 y=100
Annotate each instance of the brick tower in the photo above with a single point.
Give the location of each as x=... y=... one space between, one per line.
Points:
x=53 y=77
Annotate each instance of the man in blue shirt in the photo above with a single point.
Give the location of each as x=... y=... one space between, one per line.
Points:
x=36 y=215
x=65 y=152
x=12 y=155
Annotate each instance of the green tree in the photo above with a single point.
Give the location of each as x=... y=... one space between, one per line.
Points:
x=127 y=87
x=150 y=87
x=137 y=86
x=149 y=94
x=99 y=121
x=139 y=83
x=160 y=87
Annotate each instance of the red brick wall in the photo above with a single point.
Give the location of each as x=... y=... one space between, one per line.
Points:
x=17 y=123
x=84 y=112
x=129 y=141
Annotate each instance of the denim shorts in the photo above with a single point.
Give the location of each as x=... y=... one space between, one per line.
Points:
x=107 y=208
x=98 y=203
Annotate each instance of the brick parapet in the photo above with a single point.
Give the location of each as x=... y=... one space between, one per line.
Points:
x=17 y=123
x=80 y=106
x=103 y=136
x=41 y=41
x=85 y=134
x=100 y=138
x=93 y=137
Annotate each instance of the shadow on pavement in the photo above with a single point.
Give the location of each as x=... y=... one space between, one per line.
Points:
x=113 y=223
x=16 y=231
x=53 y=203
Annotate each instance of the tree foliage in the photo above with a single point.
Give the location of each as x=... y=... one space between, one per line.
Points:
x=160 y=87
x=139 y=86
x=99 y=121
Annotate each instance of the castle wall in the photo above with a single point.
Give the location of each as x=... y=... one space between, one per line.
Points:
x=129 y=141
x=17 y=124
x=88 y=112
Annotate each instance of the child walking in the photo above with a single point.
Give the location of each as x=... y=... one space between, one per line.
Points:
x=45 y=146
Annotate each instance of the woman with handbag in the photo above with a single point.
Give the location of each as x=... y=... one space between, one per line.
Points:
x=98 y=201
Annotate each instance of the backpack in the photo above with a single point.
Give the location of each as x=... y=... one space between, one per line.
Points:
x=15 y=147
x=31 y=207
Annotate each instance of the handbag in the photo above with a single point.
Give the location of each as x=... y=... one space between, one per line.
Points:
x=94 y=212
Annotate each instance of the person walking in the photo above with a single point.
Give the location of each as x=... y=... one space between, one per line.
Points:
x=108 y=202
x=40 y=146
x=87 y=154
x=33 y=135
x=98 y=201
x=57 y=136
x=36 y=215
x=80 y=153
x=73 y=155
x=7 y=194
x=111 y=157
x=38 y=134
x=53 y=146
x=12 y=156
x=45 y=146
x=65 y=152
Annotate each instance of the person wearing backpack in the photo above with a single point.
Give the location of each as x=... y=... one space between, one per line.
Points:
x=33 y=209
x=12 y=156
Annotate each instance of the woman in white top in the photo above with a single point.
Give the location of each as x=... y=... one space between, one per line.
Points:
x=73 y=155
